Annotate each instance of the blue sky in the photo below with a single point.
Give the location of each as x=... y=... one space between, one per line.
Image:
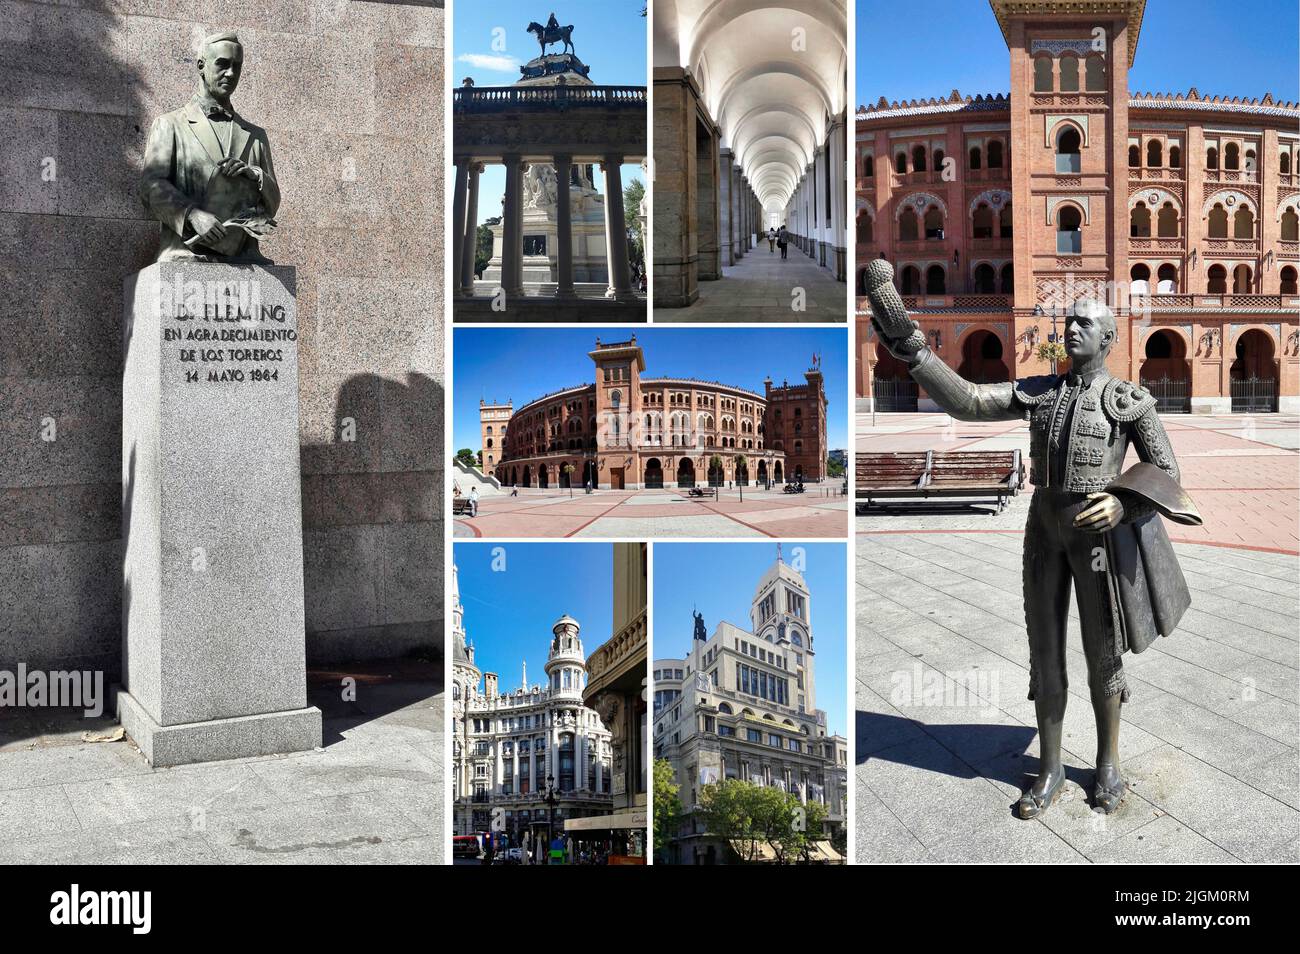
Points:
x=509 y=610
x=1220 y=47
x=719 y=579
x=520 y=364
x=609 y=37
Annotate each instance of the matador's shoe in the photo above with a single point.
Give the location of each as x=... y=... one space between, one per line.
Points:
x=1106 y=796
x=1032 y=804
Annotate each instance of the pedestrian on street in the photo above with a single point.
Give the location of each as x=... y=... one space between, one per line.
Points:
x=473 y=501
x=771 y=239
x=783 y=240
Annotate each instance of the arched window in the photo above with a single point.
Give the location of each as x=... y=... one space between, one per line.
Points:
x=1175 y=157
x=1140 y=279
x=1284 y=163
x=1216 y=280
x=864 y=228
x=1154 y=154
x=1069 y=66
x=1134 y=156
x=911 y=280
x=1069 y=237
x=1167 y=221
x=1008 y=279
x=1250 y=160
x=868 y=167
x=900 y=163
x=982 y=222
x=1043 y=74
x=1139 y=221
x=1290 y=225
x=933 y=223
x=1231 y=156
x=918 y=158
x=1167 y=279
x=995 y=154
x=984 y=278
x=975 y=157
x=936 y=282
x=1242 y=280
x=938 y=160
x=1068 y=143
x=1218 y=224
x=1212 y=158
x=1243 y=224
x=1288 y=286
x=908 y=227
x=1094 y=80
x=1004 y=221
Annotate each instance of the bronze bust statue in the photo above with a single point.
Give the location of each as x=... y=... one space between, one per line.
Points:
x=208 y=176
x=1092 y=525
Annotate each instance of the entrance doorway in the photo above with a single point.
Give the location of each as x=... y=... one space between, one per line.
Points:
x=1165 y=372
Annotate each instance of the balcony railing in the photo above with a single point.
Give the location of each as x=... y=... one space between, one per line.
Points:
x=1214 y=300
x=501 y=99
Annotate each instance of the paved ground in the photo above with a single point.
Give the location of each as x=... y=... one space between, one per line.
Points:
x=1210 y=736
x=762 y=288
x=373 y=794
x=659 y=514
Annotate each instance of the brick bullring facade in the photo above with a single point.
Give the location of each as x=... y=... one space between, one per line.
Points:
x=1179 y=210
x=632 y=432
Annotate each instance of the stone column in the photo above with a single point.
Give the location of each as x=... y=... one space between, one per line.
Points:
x=458 y=215
x=620 y=278
x=514 y=780
x=564 y=228
x=840 y=198
x=737 y=227
x=498 y=770
x=471 y=232
x=674 y=259
x=512 y=240
x=706 y=198
x=579 y=759
x=726 y=251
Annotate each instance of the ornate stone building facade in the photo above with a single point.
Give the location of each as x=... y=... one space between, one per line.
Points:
x=750 y=132
x=630 y=432
x=506 y=745
x=996 y=211
x=743 y=705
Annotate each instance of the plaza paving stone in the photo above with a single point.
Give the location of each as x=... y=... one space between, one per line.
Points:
x=760 y=288
x=1211 y=735
x=371 y=795
x=819 y=512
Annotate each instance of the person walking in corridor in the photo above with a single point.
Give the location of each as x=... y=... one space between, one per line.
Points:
x=783 y=239
x=771 y=239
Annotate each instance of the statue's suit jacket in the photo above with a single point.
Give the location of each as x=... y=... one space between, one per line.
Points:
x=180 y=163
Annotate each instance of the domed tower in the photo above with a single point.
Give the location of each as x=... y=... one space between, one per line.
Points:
x=781 y=614
x=566 y=664
x=465 y=675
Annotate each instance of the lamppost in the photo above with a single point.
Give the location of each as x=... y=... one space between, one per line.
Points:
x=550 y=801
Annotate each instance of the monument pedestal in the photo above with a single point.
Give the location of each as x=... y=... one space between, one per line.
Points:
x=214 y=645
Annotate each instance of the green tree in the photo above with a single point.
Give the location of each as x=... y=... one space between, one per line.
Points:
x=483 y=245
x=467 y=457
x=1052 y=352
x=834 y=468
x=568 y=472
x=748 y=815
x=633 y=193
x=667 y=806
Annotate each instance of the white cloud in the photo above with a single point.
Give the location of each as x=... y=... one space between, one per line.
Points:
x=490 y=61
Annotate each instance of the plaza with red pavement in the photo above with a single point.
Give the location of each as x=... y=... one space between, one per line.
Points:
x=821 y=511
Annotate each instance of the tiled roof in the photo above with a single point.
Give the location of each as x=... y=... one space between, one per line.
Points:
x=954 y=103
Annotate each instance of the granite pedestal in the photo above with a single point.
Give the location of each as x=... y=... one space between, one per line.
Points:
x=214 y=660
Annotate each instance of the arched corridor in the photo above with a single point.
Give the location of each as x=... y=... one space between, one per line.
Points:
x=750 y=136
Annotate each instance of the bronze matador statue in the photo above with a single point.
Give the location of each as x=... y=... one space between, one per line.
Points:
x=1092 y=525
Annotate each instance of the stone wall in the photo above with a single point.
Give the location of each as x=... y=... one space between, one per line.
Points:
x=351 y=96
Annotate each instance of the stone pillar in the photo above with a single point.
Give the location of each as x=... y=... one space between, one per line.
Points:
x=579 y=760
x=514 y=779
x=458 y=214
x=840 y=198
x=620 y=278
x=706 y=204
x=498 y=770
x=214 y=651
x=471 y=232
x=726 y=224
x=738 y=228
x=676 y=103
x=564 y=228
x=512 y=240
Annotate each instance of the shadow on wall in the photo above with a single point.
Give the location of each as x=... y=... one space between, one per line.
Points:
x=372 y=524
x=71 y=229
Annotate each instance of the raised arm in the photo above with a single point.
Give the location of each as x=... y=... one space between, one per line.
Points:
x=959 y=397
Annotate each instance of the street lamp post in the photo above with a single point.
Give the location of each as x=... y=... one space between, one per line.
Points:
x=551 y=801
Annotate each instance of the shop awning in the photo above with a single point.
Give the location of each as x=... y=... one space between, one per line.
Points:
x=760 y=851
x=619 y=821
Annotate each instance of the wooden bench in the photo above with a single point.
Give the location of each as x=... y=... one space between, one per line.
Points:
x=460 y=506
x=929 y=475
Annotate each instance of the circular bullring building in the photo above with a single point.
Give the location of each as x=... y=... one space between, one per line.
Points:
x=628 y=431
